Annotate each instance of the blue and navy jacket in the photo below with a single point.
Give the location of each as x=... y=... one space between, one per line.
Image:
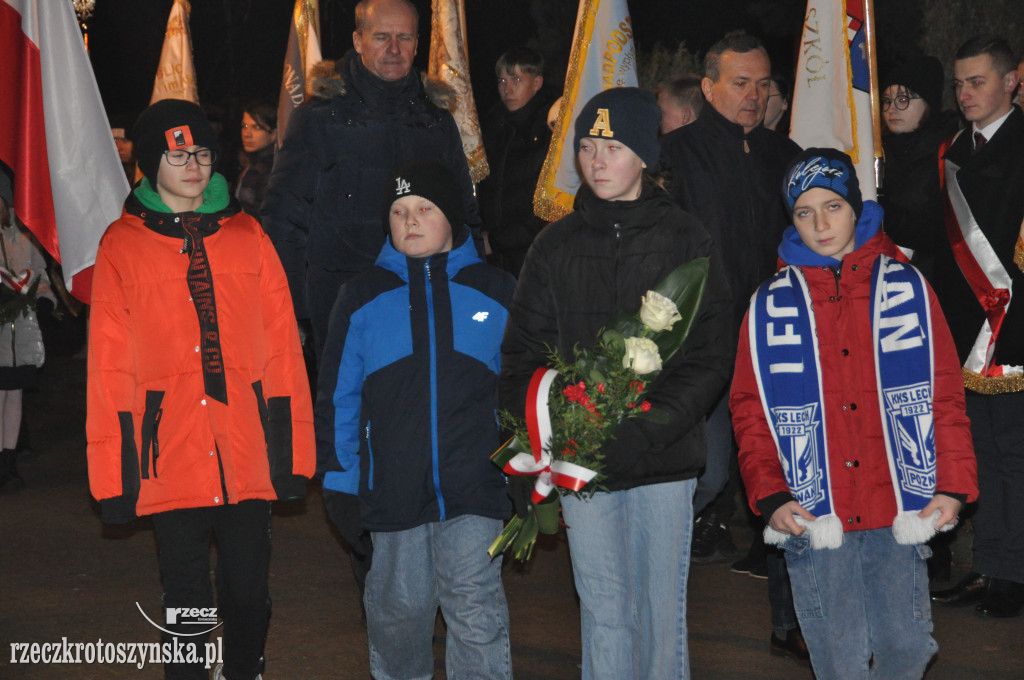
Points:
x=408 y=391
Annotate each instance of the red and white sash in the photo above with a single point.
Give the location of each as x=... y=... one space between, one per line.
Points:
x=989 y=281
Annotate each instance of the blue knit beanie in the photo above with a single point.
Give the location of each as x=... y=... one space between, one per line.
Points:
x=826 y=169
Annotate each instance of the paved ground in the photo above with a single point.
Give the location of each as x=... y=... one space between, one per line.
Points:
x=63 y=576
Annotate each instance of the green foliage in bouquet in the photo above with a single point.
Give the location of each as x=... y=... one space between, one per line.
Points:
x=595 y=391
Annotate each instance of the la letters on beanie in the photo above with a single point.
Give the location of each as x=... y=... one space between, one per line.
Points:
x=433 y=181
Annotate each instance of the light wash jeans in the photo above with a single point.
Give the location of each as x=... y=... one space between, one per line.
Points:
x=631 y=560
x=721 y=451
x=867 y=598
x=438 y=564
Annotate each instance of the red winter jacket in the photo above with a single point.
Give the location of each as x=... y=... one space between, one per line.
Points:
x=158 y=440
x=862 y=489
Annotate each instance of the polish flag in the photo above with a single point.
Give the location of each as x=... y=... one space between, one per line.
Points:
x=54 y=135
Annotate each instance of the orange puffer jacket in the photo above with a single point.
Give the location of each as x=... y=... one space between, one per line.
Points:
x=158 y=440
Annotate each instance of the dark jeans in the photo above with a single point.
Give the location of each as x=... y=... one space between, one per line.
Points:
x=997 y=427
x=242 y=535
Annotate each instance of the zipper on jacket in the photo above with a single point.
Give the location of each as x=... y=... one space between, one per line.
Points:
x=837 y=274
x=432 y=333
x=369 y=451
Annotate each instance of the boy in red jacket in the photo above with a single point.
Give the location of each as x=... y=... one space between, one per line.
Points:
x=848 y=408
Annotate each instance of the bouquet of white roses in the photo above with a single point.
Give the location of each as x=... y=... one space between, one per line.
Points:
x=573 y=407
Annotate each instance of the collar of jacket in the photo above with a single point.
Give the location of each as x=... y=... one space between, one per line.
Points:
x=623 y=216
x=462 y=254
x=794 y=251
x=710 y=118
x=144 y=203
x=341 y=78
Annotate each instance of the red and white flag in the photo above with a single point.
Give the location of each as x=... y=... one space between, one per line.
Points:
x=602 y=57
x=832 y=92
x=449 y=62
x=176 y=76
x=54 y=135
x=302 y=54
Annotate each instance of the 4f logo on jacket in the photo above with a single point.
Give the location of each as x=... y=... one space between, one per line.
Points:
x=402 y=186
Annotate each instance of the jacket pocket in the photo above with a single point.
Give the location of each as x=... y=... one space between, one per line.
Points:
x=276 y=418
x=150 y=429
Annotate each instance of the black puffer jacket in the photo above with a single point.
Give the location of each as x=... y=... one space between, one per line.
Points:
x=732 y=182
x=325 y=200
x=599 y=260
x=516 y=144
x=252 y=183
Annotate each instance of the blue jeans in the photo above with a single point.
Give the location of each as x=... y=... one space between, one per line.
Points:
x=869 y=597
x=438 y=564
x=720 y=453
x=631 y=560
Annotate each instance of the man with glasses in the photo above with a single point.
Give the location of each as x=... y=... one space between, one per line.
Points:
x=516 y=138
x=199 y=411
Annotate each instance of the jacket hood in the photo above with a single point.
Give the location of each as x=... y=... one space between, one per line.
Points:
x=331 y=78
x=793 y=251
x=462 y=254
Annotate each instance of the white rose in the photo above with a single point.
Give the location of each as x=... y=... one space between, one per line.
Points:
x=641 y=355
x=658 y=312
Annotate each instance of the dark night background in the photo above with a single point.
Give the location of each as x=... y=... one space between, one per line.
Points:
x=238 y=45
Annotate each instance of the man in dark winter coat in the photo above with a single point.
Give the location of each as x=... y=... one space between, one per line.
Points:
x=978 y=276
x=516 y=138
x=370 y=113
x=726 y=170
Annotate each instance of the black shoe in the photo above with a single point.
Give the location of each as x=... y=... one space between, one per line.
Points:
x=749 y=565
x=792 y=645
x=10 y=480
x=969 y=590
x=1003 y=599
x=712 y=541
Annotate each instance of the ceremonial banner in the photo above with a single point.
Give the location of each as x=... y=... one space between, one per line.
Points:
x=54 y=135
x=303 y=53
x=176 y=76
x=831 y=94
x=449 y=62
x=602 y=57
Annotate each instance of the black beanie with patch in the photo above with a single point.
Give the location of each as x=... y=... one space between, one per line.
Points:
x=431 y=180
x=167 y=125
x=625 y=114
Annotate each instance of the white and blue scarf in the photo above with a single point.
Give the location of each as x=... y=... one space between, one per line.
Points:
x=784 y=351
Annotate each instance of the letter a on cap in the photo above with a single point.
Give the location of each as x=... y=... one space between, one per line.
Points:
x=602 y=125
x=179 y=137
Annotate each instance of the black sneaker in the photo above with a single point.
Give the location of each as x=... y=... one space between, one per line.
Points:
x=712 y=541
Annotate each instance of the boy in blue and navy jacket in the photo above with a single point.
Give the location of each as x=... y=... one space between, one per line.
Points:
x=406 y=424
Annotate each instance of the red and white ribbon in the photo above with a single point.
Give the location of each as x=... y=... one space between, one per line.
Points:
x=16 y=282
x=538 y=463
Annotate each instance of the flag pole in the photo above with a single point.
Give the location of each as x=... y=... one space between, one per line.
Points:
x=876 y=108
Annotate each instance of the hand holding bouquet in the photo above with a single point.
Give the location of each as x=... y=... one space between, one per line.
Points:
x=574 y=407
